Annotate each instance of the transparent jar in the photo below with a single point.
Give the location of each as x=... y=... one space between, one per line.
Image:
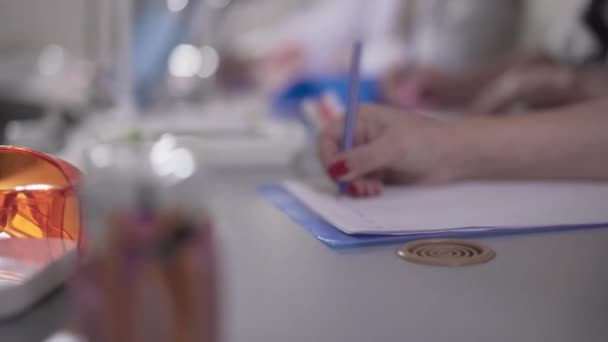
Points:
x=142 y=174
x=151 y=242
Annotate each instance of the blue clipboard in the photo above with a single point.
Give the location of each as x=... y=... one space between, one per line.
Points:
x=335 y=238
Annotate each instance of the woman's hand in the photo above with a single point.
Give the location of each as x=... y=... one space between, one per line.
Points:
x=426 y=88
x=564 y=144
x=390 y=147
x=534 y=86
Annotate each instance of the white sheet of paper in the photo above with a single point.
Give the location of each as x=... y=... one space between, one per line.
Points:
x=465 y=206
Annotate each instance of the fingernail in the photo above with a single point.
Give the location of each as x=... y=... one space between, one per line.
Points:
x=338 y=169
x=353 y=189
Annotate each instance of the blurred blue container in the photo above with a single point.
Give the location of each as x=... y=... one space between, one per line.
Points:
x=287 y=102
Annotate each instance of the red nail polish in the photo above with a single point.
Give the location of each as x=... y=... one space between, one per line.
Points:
x=338 y=169
x=353 y=189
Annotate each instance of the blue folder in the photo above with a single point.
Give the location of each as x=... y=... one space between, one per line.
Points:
x=335 y=238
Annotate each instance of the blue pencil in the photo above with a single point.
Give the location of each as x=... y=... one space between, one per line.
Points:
x=353 y=103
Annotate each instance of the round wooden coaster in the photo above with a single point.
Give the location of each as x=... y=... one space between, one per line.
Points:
x=446 y=252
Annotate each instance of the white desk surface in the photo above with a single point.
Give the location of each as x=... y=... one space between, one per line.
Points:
x=283 y=285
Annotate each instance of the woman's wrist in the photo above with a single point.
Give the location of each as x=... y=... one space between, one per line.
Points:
x=447 y=152
x=591 y=83
x=453 y=153
x=470 y=149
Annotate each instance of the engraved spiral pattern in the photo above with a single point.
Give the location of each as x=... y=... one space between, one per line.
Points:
x=452 y=253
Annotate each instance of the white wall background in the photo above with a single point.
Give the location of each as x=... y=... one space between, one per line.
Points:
x=35 y=23
x=557 y=24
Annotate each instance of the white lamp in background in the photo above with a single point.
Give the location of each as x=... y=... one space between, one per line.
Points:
x=51 y=60
x=185 y=61
x=210 y=61
x=176 y=6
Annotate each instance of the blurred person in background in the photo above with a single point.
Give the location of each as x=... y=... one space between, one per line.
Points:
x=441 y=33
x=558 y=64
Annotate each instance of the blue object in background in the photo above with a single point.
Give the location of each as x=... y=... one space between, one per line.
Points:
x=287 y=101
x=156 y=32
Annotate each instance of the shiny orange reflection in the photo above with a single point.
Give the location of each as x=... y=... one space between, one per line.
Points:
x=38 y=196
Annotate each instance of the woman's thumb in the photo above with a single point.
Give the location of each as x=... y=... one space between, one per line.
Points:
x=364 y=159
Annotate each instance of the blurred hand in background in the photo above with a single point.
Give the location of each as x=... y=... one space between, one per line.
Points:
x=534 y=87
x=426 y=87
x=521 y=80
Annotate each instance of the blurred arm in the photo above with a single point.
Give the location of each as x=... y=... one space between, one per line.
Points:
x=592 y=82
x=570 y=143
